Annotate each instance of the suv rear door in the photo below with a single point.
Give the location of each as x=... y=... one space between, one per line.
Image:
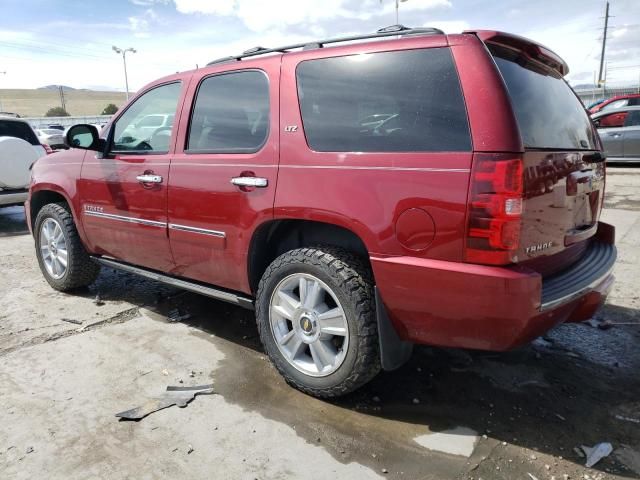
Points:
x=124 y=194
x=631 y=142
x=227 y=141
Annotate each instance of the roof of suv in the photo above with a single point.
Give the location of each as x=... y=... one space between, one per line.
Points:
x=391 y=31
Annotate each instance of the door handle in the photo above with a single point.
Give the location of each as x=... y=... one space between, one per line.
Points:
x=149 y=178
x=614 y=135
x=256 y=182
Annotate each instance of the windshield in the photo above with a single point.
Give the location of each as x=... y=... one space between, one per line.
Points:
x=548 y=112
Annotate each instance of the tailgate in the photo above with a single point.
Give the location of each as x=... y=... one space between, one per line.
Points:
x=563 y=166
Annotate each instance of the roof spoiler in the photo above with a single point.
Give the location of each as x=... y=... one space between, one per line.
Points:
x=533 y=50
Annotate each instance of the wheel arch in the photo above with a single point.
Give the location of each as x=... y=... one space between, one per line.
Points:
x=275 y=237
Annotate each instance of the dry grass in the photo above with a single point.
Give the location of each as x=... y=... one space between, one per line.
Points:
x=35 y=103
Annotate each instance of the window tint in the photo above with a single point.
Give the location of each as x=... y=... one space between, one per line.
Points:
x=405 y=101
x=231 y=114
x=18 y=130
x=635 y=101
x=139 y=128
x=548 y=112
x=633 y=119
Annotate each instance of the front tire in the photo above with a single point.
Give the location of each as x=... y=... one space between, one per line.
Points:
x=63 y=260
x=315 y=311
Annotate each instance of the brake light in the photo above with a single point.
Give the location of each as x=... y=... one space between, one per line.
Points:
x=495 y=209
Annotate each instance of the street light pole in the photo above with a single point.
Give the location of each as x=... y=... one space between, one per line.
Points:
x=124 y=51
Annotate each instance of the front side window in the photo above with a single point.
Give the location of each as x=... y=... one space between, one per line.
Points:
x=142 y=127
x=612 y=120
x=403 y=101
x=230 y=114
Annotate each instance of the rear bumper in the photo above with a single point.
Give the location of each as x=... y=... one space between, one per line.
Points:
x=491 y=308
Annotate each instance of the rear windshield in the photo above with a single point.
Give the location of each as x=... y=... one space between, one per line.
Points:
x=548 y=112
x=18 y=130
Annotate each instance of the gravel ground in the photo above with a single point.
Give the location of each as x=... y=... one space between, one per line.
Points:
x=68 y=363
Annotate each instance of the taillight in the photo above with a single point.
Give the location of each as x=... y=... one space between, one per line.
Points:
x=47 y=148
x=495 y=209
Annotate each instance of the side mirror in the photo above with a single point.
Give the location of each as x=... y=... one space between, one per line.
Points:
x=85 y=137
x=596 y=122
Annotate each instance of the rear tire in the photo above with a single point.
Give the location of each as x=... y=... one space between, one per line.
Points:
x=315 y=311
x=63 y=260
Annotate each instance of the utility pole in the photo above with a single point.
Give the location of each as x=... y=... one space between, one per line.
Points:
x=604 y=43
x=124 y=51
x=397 y=9
x=62 y=104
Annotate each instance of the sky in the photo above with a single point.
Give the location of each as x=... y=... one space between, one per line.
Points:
x=69 y=42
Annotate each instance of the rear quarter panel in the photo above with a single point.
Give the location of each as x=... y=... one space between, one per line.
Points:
x=368 y=192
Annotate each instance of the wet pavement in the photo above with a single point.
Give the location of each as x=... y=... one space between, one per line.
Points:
x=446 y=414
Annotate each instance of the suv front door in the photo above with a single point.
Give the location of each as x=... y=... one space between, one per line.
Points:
x=124 y=194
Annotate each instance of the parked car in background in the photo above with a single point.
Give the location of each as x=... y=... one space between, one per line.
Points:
x=619 y=131
x=14 y=127
x=19 y=149
x=619 y=101
x=52 y=137
x=56 y=126
x=414 y=188
x=9 y=114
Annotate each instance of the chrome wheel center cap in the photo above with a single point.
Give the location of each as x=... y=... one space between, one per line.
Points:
x=308 y=328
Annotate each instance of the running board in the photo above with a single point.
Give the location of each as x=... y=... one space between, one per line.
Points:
x=225 y=296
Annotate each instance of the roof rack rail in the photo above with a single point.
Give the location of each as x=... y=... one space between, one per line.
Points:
x=390 y=31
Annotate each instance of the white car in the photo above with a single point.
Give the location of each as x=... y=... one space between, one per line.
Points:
x=19 y=149
x=52 y=137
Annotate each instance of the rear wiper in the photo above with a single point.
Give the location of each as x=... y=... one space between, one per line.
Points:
x=596 y=157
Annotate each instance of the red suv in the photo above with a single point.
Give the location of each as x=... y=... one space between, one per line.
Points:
x=620 y=101
x=360 y=196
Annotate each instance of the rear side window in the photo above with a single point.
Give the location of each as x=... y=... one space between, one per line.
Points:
x=403 y=101
x=548 y=112
x=18 y=130
x=231 y=114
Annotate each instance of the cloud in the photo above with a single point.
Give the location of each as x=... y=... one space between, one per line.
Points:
x=140 y=24
x=261 y=16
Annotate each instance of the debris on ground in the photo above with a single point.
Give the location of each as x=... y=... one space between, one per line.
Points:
x=189 y=449
x=579 y=452
x=71 y=320
x=628 y=419
x=175 y=316
x=98 y=301
x=180 y=396
x=30 y=450
x=596 y=453
x=532 y=476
